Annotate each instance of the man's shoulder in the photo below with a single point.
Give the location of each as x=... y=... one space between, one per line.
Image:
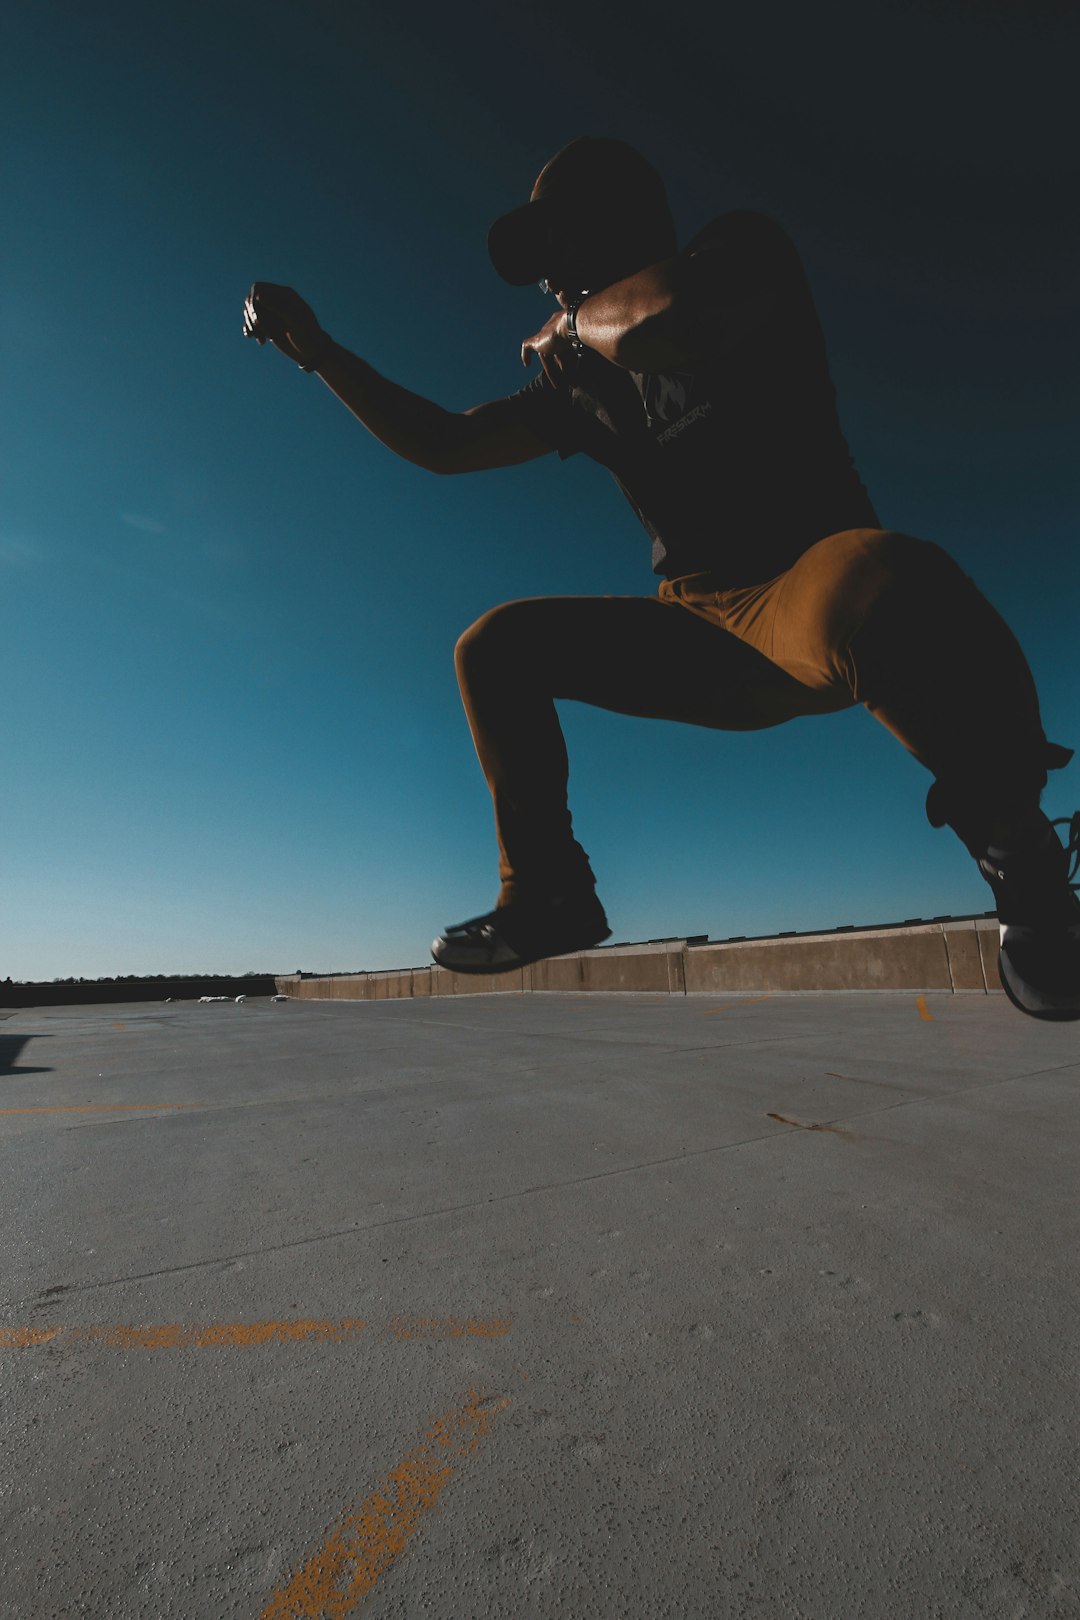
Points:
x=553 y=415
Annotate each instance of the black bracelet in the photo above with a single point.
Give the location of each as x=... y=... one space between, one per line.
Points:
x=571 y=323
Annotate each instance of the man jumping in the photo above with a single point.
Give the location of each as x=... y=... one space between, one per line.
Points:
x=699 y=378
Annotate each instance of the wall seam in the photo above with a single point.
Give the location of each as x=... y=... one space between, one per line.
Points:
x=948 y=958
x=982 y=959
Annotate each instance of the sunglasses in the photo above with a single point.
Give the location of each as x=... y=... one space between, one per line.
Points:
x=546 y=287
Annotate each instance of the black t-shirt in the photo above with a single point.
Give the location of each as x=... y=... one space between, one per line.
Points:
x=737 y=467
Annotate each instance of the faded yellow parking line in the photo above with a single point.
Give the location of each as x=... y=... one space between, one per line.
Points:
x=924 y=1011
x=366 y=1543
x=731 y=1006
x=246 y=1335
x=101 y=1108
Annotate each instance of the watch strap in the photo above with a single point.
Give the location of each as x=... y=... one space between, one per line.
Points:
x=571 y=323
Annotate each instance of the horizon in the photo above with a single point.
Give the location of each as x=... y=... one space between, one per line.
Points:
x=413 y=967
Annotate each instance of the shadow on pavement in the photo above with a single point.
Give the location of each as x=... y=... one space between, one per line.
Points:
x=10 y=1047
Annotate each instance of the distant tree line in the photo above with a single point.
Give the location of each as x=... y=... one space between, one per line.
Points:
x=71 y=991
x=139 y=978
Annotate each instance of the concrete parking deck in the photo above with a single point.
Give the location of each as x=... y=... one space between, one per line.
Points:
x=507 y=1307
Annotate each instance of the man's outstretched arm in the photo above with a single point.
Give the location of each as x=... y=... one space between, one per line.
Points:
x=415 y=428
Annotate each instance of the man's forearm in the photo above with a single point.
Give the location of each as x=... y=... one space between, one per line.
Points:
x=413 y=427
x=631 y=322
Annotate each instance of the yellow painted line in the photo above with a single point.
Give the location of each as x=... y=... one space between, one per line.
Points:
x=786 y=1119
x=924 y=1011
x=102 y=1108
x=247 y=1335
x=175 y=1336
x=364 y=1545
x=732 y=1006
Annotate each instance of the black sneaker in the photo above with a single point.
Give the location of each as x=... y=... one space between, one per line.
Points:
x=1039 y=915
x=522 y=932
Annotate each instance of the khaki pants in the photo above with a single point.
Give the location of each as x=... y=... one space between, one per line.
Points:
x=866 y=616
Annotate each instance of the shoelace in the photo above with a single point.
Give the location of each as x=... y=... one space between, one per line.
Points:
x=474 y=925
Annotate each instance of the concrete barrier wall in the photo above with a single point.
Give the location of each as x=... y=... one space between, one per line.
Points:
x=955 y=955
x=930 y=956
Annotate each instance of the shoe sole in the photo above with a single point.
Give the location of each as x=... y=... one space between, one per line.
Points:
x=521 y=961
x=1051 y=1015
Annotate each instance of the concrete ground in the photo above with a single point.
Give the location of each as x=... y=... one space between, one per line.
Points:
x=503 y=1307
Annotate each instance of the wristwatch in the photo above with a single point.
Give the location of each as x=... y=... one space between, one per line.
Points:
x=571 y=322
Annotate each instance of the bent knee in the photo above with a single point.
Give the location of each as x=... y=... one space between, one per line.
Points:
x=492 y=635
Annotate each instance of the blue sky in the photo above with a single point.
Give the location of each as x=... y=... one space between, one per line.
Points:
x=234 y=739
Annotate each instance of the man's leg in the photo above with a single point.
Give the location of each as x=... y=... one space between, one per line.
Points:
x=634 y=655
x=896 y=623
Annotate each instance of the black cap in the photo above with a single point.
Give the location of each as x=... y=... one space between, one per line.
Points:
x=590 y=180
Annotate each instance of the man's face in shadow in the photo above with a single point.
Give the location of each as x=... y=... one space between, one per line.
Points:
x=591 y=249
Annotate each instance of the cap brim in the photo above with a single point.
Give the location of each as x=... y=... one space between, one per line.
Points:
x=520 y=243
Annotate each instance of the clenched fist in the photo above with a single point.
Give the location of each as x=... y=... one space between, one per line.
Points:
x=280 y=314
x=553 y=348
